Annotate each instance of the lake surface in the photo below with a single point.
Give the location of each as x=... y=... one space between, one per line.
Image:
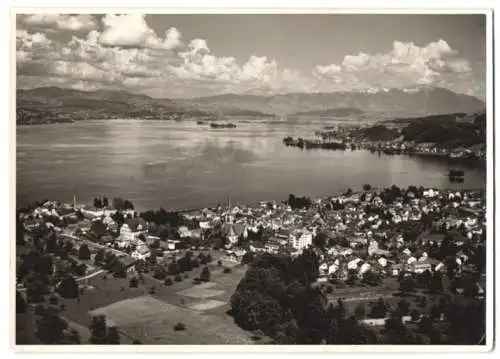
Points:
x=184 y=165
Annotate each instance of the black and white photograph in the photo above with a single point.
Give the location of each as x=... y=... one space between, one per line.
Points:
x=253 y=178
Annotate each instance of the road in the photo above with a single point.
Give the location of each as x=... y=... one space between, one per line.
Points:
x=93 y=244
x=90 y=275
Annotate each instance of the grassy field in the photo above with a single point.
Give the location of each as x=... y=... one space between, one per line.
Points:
x=152 y=321
x=151 y=316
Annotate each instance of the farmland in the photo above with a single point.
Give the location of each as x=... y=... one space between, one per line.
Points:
x=150 y=314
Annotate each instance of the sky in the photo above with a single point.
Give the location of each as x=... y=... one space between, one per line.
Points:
x=186 y=56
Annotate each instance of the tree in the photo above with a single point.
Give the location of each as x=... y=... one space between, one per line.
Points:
x=51 y=243
x=98 y=330
x=68 y=288
x=119 y=270
x=435 y=285
x=407 y=285
x=110 y=260
x=248 y=257
x=404 y=307
x=43 y=265
x=100 y=256
x=68 y=246
x=371 y=278
x=320 y=240
x=422 y=302
x=307 y=265
x=74 y=337
x=425 y=325
x=367 y=187
x=435 y=313
x=98 y=228
x=118 y=203
x=379 y=309
x=415 y=315
x=37 y=287
x=80 y=269
x=205 y=274
x=168 y=281
x=160 y=272
x=105 y=202
x=173 y=268
x=97 y=203
x=360 y=310
x=352 y=277
x=50 y=327
x=20 y=241
x=20 y=303
x=127 y=205
x=84 y=252
x=113 y=336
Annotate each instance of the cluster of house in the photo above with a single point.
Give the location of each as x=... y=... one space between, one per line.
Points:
x=426 y=148
x=356 y=239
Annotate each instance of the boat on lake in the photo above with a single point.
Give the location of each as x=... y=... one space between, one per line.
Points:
x=456 y=176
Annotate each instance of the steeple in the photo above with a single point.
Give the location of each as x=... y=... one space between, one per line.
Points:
x=228 y=215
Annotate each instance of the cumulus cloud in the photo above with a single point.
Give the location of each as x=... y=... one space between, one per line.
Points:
x=259 y=68
x=132 y=31
x=128 y=54
x=25 y=40
x=31 y=46
x=61 y=22
x=406 y=63
x=198 y=63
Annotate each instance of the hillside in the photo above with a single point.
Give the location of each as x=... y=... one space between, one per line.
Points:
x=104 y=100
x=423 y=101
x=332 y=112
x=51 y=104
x=446 y=131
x=54 y=102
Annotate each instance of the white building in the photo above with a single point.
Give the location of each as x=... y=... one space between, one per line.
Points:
x=141 y=252
x=301 y=239
x=128 y=236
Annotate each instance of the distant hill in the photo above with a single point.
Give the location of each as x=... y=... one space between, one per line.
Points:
x=332 y=112
x=419 y=101
x=104 y=100
x=54 y=102
x=57 y=102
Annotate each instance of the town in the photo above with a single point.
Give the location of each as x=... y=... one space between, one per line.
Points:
x=367 y=244
x=455 y=136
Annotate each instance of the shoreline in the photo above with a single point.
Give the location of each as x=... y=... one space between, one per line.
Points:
x=255 y=203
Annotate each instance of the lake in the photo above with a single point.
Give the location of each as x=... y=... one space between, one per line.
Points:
x=184 y=165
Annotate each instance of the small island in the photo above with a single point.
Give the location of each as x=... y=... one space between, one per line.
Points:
x=222 y=125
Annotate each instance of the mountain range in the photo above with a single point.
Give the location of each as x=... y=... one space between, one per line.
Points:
x=419 y=101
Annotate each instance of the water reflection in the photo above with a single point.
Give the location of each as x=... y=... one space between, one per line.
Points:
x=178 y=165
